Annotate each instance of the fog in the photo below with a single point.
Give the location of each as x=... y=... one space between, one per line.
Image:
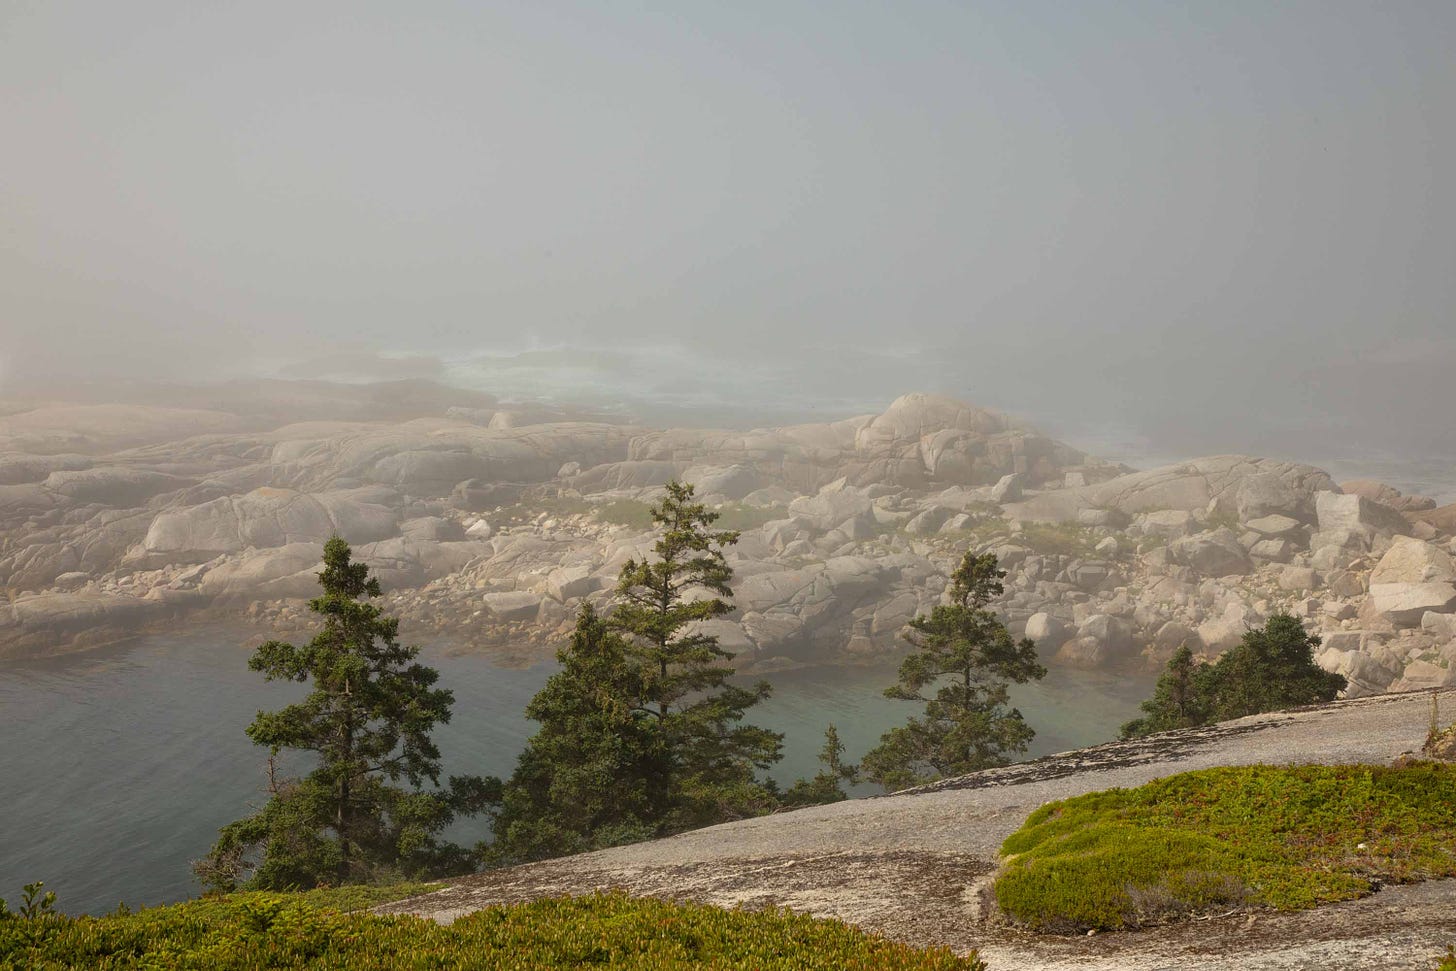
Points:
x=1193 y=227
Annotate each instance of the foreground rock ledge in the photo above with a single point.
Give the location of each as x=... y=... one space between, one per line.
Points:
x=908 y=865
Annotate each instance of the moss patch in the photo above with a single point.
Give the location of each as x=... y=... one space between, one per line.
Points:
x=1282 y=837
x=260 y=930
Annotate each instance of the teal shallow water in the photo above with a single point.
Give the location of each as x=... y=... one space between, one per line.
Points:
x=117 y=768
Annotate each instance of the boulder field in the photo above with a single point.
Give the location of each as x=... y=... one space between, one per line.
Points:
x=491 y=525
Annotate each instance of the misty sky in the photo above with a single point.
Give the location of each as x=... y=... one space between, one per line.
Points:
x=1223 y=223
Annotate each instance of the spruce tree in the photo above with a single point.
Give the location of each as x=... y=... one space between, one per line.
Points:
x=596 y=773
x=1272 y=667
x=829 y=782
x=1178 y=700
x=964 y=650
x=662 y=601
x=367 y=723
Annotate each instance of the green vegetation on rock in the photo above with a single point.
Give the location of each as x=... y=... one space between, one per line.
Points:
x=1272 y=668
x=266 y=930
x=1260 y=836
x=965 y=651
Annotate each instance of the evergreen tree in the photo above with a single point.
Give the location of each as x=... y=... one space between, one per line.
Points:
x=828 y=784
x=367 y=721
x=662 y=602
x=964 y=649
x=1178 y=700
x=1272 y=668
x=596 y=772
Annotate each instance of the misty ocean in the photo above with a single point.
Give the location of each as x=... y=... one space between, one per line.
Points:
x=120 y=765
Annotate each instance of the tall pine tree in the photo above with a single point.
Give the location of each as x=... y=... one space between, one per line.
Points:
x=662 y=601
x=964 y=651
x=367 y=722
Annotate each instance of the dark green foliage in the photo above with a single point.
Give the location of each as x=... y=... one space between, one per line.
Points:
x=608 y=931
x=367 y=721
x=597 y=771
x=1272 y=668
x=1178 y=700
x=964 y=649
x=712 y=755
x=828 y=784
x=1286 y=837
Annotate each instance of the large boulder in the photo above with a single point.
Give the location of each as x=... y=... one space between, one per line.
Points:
x=1387 y=495
x=1411 y=579
x=730 y=481
x=1404 y=604
x=1226 y=485
x=264 y=518
x=1113 y=633
x=513 y=606
x=1412 y=561
x=1354 y=513
x=834 y=504
x=1215 y=553
x=614 y=476
x=284 y=572
x=1047 y=632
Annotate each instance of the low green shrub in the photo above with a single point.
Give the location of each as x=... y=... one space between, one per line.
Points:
x=263 y=930
x=1282 y=837
x=737 y=516
x=1062 y=539
x=626 y=512
x=1448 y=963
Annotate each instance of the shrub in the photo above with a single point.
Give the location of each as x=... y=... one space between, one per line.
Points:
x=740 y=518
x=626 y=512
x=1281 y=837
x=1062 y=539
x=612 y=931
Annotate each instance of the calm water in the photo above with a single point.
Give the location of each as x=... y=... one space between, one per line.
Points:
x=118 y=768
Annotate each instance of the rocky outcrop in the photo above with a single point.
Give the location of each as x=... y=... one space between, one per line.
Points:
x=1224 y=486
x=496 y=532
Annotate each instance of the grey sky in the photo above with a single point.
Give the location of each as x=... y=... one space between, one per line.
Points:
x=1230 y=221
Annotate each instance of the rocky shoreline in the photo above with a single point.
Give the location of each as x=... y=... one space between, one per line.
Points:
x=490 y=526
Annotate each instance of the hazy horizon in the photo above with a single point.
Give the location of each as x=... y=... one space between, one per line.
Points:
x=1199 y=227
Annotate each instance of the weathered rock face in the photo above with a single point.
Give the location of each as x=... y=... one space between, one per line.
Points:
x=919 y=441
x=1227 y=485
x=1412 y=579
x=269 y=517
x=1356 y=515
x=1386 y=495
x=1212 y=554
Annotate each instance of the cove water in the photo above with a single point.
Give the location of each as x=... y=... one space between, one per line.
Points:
x=118 y=767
